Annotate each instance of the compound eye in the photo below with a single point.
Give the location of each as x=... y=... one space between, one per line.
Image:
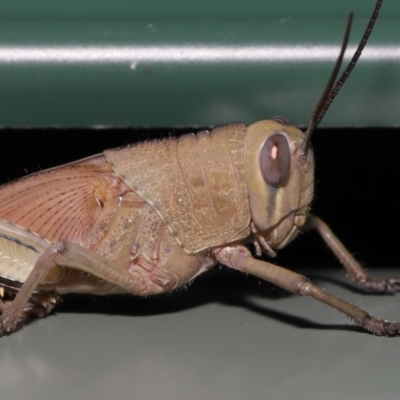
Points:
x=275 y=160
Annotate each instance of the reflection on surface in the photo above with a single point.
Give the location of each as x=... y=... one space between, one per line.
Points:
x=232 y=343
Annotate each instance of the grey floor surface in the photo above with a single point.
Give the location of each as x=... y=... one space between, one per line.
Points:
x=227 y=337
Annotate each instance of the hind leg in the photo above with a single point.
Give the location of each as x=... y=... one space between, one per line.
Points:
x=39 y=306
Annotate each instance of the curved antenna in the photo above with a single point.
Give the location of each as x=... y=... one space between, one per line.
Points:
x=317 y=110
x=331 y=90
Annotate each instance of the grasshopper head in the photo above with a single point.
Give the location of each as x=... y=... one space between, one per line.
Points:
x=279 y=163
x=279 y=178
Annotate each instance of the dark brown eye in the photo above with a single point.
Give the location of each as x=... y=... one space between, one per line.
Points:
x=275 y=160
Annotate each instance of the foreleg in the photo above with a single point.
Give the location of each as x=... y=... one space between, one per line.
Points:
x=352 y=266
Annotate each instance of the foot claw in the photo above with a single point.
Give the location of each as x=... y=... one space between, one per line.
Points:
x=382 y=286
x=382 y=328
x=391 y=329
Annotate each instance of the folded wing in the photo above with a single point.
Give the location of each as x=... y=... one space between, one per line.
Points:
x=64 y=202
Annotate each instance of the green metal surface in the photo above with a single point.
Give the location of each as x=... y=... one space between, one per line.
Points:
x=168 y=64
x=180 y=10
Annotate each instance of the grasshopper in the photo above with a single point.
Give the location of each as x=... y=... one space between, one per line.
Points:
x=147 y=219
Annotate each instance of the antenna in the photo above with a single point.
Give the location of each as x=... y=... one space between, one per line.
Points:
x=331 y=89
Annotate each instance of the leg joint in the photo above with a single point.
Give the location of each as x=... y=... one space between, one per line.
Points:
x=306 y=288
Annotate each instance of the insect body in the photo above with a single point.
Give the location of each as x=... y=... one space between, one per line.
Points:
x=148 y=218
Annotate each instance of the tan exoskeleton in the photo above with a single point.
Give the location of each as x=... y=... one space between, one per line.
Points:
x=149 y=218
